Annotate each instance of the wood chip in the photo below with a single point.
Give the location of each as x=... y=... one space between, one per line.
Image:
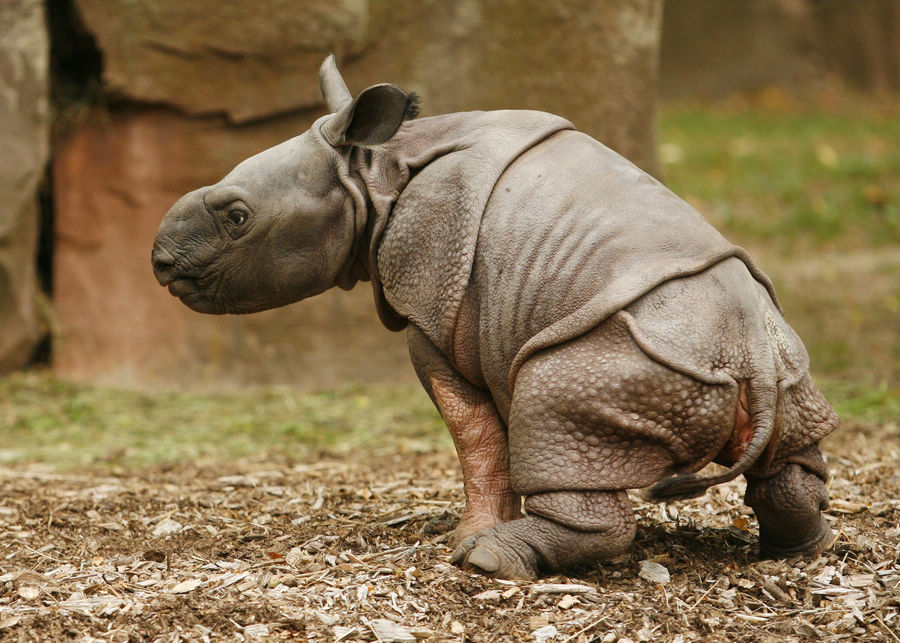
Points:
x=654 y=572
x=566 y=602
x=260 y=575
x=545 y=633
x=489 y=596
x=562 y=588
x=167 y=527
x=29 y=593
x=186 y=586
x=9 y=621
x=386 y=630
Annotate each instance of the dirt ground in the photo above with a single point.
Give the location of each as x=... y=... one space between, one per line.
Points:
x=354 y=549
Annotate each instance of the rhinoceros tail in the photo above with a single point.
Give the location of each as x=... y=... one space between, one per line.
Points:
x=749 y=441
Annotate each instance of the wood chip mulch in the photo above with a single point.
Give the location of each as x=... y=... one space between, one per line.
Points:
x=355 y=550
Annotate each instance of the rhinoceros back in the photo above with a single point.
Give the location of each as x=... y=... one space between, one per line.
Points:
x=573 y=233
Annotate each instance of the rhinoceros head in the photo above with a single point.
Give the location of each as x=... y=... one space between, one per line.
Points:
x=282 y=225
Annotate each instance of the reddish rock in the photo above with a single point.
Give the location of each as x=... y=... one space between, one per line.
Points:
x=24 y=123
x=115 y=177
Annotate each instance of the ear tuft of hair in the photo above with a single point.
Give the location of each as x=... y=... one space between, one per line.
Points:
x=412 y=106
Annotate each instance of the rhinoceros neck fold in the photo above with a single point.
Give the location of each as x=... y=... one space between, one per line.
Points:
x=357 y=206
x=428 y=187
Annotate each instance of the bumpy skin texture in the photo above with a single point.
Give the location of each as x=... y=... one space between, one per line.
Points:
x=581 y=330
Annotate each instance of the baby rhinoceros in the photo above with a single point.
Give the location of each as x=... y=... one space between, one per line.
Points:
x=581 y=329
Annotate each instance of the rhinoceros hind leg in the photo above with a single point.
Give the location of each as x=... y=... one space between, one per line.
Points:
x=563 y=528
x=789 y=509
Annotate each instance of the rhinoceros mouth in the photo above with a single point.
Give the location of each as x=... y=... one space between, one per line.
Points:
x=192 y=296
x=184 y=288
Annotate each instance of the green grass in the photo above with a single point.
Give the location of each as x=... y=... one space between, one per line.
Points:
x=863 y=404
x=795 y=180
x=70 y=425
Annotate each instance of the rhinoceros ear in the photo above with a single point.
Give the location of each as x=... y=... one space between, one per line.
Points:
x=372 y=118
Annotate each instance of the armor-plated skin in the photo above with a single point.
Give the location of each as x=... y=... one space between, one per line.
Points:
x=581 y=330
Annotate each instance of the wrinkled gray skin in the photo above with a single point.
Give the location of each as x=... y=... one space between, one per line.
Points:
x=581 y=330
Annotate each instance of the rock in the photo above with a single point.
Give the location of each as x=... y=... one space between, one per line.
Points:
x=24 y=130
x=748 y=45
x=745 y=45
x=119 y=170
x=592 y=62
x=245 y=59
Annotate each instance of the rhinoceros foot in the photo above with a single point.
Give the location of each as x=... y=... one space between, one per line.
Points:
x=816 y=544
x=563 y=529
x=501 y=551
x=789 y=507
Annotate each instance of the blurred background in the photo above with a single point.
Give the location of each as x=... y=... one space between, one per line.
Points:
x=777 y=119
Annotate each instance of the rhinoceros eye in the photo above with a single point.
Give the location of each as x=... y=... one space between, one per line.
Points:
x=236 y=217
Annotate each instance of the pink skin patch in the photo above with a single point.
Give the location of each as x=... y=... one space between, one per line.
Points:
x=741 y=434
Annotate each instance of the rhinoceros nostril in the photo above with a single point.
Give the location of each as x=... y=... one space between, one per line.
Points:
x=163 y=263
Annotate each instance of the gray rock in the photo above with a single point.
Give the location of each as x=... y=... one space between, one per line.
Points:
x=24 y=127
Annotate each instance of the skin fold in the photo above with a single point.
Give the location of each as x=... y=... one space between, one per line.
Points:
x=581 y=330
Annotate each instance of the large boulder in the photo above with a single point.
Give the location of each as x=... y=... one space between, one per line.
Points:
x=247 y=59
x=592 y=62
x=226 y=85
x=24 y=123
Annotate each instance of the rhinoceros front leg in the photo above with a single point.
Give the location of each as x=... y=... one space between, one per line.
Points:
x=563 y=529
x=478 y=434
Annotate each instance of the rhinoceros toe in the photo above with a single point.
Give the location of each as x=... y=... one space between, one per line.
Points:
x=497 y=552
